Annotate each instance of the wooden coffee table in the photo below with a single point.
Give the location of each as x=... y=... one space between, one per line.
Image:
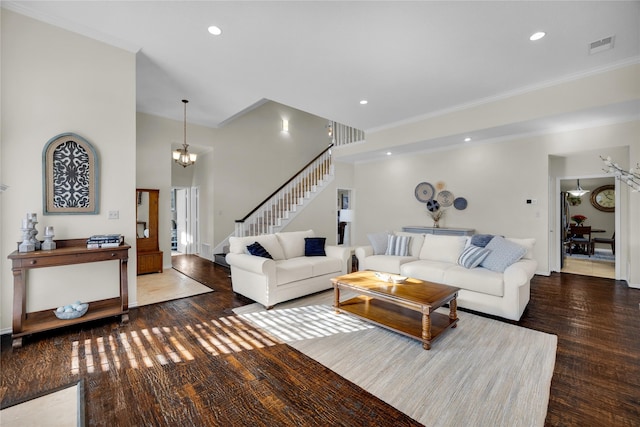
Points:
x=407 y=308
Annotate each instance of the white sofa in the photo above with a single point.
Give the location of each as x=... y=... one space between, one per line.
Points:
x=435 y=258
x=290 y=274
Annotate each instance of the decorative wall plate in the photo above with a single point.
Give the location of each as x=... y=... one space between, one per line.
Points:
x=424 y=192
x=460 y=203
x=433 y=205
x=445 y=198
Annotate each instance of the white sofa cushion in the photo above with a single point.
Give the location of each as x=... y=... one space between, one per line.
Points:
x=292 y=270
x=442 y=248
x=238 y=245
x=385 y=263
x=430 y=271
x=477 y=280
x=324 y=265
x=292 y=242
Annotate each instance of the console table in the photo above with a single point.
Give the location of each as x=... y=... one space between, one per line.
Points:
x=437 y=230
x=67 y=252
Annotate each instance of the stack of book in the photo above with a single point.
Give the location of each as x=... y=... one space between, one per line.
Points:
x=104 y=241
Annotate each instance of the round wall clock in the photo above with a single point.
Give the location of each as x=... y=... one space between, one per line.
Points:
x=424 y=192
x=604 y=198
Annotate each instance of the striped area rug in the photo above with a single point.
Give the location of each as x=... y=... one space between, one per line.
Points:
x=482 y=373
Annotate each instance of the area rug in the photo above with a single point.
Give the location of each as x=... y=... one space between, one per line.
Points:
x=482 y=373
x=62 y=407
x=599 y=255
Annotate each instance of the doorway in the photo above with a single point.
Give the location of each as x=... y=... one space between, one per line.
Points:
x=185 y=230
x=593 y=259
x=345 y=216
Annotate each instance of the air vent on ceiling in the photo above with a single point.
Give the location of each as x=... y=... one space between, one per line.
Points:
x=601 y=45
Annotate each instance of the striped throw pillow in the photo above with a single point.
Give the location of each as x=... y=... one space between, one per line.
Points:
x=398 y=245
x=472 y=256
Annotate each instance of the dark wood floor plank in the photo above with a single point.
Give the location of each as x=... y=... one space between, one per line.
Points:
x=192 y=362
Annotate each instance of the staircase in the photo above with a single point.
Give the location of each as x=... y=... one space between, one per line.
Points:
x=277 y=210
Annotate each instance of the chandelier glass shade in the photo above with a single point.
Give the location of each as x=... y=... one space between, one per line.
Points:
x=182 y=156
x=578 y=192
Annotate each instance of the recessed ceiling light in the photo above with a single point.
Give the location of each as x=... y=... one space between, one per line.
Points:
x=216 y=31
x=467 y=139
x=388 y=153
x=537 y=36
x=364 y=102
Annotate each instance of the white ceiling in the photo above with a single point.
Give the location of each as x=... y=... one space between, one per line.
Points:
x=408 y=59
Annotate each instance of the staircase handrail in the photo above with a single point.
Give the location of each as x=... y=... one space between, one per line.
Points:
x=265 y=201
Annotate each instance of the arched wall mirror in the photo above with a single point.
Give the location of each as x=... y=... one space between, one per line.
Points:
x=148 y=250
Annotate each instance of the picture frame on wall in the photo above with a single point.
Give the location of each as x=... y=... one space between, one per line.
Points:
x=70 y=173
x=345 y=201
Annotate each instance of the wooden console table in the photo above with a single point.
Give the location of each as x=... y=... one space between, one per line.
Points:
x=439 y=230
x=67 y=252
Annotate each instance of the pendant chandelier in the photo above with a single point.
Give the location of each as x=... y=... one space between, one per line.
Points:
x=182 y=155
x=578 y=192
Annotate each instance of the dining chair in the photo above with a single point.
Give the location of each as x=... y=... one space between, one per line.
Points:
x=580 y=237
x=611 y=241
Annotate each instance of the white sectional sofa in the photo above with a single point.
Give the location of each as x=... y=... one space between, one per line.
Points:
x=289 y=273
x=484 y=288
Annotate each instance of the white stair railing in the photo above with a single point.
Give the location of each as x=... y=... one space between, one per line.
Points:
x=343 y=134
x=279 y=208
x=286 y=202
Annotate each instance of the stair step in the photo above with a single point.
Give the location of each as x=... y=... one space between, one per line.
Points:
x=219 y=259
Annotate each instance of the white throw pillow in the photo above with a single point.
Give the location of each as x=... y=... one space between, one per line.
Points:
x=442 y=248
x=293 y=242
x=379 y=242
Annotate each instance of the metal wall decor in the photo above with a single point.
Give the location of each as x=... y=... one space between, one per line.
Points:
x=70 y=172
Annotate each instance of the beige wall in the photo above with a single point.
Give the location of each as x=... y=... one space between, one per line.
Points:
x=54 y=81
x=496 y=179
x=242 y=163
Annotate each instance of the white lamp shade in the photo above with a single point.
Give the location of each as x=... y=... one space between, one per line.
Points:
x=346 y=215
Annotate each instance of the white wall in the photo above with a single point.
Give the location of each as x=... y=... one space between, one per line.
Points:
x=55 y=81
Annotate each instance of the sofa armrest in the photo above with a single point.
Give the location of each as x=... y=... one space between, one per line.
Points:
x=251 y=263
x=520 y=272
x=363 y=251
x=342 y=253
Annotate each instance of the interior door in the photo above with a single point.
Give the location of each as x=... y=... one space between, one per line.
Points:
x=181 y=219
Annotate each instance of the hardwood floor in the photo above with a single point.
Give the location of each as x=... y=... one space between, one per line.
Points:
x=191 y=362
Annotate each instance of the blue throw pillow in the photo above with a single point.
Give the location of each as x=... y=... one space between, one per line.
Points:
x=472 y=256
x=314 y=246
x=257 y=249
x=481 y=240
x=503 y=254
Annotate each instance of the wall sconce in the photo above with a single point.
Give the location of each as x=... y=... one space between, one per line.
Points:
x=285 y=125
